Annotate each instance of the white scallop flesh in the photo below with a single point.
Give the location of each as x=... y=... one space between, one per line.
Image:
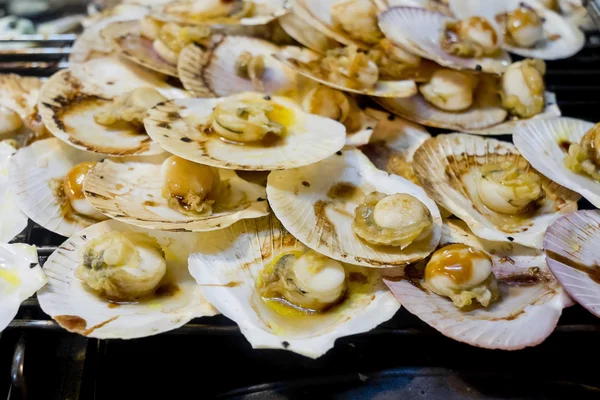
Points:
x=320 y=276
x=528 y=35
x=513 y=83
x=449 y=90
x=499 y=197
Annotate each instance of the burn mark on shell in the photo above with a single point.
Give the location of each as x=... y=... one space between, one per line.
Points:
x=77 y=324
x=324 y=228
x=97 y=195
x=164 y=125
x=285 y=344
x=186 y=139
x=305 y=184
x=173 y=115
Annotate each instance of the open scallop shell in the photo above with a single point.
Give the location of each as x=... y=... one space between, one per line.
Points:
x=20 y=280
x=300 y=200
x=71 y=97
x=179 y=11
x=419 y=31
x=12 y=220
x=131 y=192
x=174 y=125
x=563 y=38
x=35 y=172
x=128 y=41
x=540 y=143
x=573 y=256
x=448 y=168
x=209 y=71
x=531 y=304
x=304 y=32
x=226 y=264
x=393 y=145
x=76 y=308
x=485 y=117
x=296 y=57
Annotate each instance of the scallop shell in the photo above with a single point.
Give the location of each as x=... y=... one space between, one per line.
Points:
x=572 y=255
x=304 y=32
x=174 y=125
x=130 y=192
x=485 y=117
x=540 y=143
x=20 y=281
x=419 y=30
x=76 y=308
x=127 y=38
x=531 y=304
x=33 y=171
x=371 y=120
x=266 y=11
x=296 y=57
x=300 y=200
x=570 y=38
x=209 y=71
x=226 y=264
x=13 y=220
x=447 y=167
x=71 y=97
x=20 y=93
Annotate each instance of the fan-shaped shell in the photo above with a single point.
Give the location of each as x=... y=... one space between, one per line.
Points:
x=563 y=38
x=419 y=31
x=527 y=313
x=20 y=280
x=13 y=220
x=296 y=58
x=128 y=41
x=448 y=168
x=71 y=97
x=174 y=125
x=304 y=32
x=76 y=308
x=572 y=254
x=302 y=200
x=226 y=264
x=543 y=142
x=131 y=192
x=209 y=71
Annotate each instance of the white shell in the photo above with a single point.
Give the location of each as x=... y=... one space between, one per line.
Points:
x=539 y=142
x=444 y=165
x=419 y=30
x=16 y=260
x=174 y=126
x=571 y=244
x=31 y=172
x=71 y=97
x=128 y=41
x=526 y=314
x=484 y=117
x=209 y=71
x=295 y=57
x=76 y=308
x=371 y=120
x=571 y=38
x=299 y=199
x=20 y=93
x=131 y=192
x=226 y=264
x=304 y=32
x=266 y=11
x=13 y=220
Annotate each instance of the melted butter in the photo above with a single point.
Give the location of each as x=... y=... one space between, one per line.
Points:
x=73 y=181
x=10 y=277
x=282 y=115
x=454 y=262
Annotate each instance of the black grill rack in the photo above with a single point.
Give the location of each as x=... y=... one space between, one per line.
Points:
x=80 y=368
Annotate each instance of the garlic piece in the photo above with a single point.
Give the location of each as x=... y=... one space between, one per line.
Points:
x=463 y=274
x=251 y=67
x=347 y=66
x=130 y=107
x=523 y=88
x=450 y=90
x=358 y=19
x=584 y=157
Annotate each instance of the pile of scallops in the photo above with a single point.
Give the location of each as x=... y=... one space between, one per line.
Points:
x=269 y=160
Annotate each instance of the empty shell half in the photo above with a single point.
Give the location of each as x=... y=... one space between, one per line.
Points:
x=526 y=301
x=98 y=106
x=347 y=209
x=13 y=220
x=305 y=33
x=232 y=64
x=173 y=195
x=556 y=148
x=422 y=32
x=530 y=29
x=248 y=131
x=491 y=187
x=571 y=246
x=18 y=280
x=117 y=281
x=284 y=295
